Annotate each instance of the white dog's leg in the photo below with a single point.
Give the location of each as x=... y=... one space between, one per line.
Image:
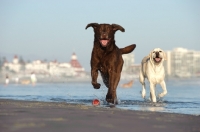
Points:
x=163 y=85
x=152 y=94
x=142 y=81
x=143 y=90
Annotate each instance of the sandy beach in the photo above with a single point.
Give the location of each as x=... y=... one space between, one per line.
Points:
x=32 y=116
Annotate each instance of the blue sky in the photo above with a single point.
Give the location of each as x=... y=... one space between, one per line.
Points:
x=54 y=29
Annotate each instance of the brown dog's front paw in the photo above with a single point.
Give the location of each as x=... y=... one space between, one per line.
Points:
x=110 y=98
x=96 y=85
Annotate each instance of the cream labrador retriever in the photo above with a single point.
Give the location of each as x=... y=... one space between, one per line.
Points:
x=152 y=68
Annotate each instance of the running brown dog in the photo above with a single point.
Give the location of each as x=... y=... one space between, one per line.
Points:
x=107 y=58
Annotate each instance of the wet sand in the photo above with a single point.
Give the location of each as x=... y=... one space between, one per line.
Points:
x=32 y=116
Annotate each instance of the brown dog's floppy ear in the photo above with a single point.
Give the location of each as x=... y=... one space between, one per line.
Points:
x=118 y=27
x=94 y=25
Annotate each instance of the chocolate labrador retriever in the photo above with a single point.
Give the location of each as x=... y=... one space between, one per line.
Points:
x=107 y=58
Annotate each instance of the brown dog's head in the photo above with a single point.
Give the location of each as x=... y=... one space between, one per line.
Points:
x=104 y=33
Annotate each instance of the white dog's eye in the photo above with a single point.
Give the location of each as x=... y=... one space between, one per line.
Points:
x=153 y=51
x=160 y=51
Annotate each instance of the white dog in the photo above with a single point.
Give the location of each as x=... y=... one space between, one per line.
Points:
x=152 y=68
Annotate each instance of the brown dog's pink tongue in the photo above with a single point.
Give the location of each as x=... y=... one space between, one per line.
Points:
x=104 y=42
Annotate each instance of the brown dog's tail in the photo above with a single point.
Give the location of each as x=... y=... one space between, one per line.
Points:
x=128 y=49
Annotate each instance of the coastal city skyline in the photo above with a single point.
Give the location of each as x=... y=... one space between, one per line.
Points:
x=180 y=62
x=55 y=29
x=131 y=56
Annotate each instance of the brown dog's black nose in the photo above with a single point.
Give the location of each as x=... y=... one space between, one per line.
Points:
x=104 y=35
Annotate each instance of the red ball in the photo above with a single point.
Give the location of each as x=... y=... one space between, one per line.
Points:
x=95 y=102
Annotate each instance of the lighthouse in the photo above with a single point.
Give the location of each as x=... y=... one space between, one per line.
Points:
x=76 y=65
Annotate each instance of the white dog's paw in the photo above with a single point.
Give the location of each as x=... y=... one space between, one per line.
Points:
x=162 y=94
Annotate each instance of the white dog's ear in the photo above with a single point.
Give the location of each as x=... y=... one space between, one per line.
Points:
x=150 y=55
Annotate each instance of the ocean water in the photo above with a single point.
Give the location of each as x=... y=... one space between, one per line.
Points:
x=183 y=95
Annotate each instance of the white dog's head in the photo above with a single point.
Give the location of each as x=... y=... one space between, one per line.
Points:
x=157 y=56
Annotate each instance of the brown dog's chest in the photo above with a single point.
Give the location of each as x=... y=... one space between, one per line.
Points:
x=110 y=62
x=103 y=68
x=104 y=63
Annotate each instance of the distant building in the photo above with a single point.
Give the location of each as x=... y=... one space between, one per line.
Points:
x=76 y=65
x=43 y=68
x=61 y=69
x=130 y=70
x=13 y=66
x=135 y=69
x=36 y=66
x=15 y=60
x=182 y=62
x=128 y=62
